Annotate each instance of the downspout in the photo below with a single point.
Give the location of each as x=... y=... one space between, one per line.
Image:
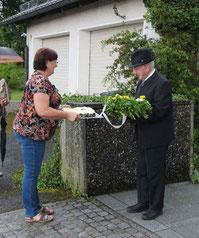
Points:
x=26 y=50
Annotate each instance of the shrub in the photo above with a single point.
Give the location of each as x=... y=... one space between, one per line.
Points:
x=118 y=106
x=14 y=74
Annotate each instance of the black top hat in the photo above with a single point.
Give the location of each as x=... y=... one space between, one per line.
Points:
x=141 y=56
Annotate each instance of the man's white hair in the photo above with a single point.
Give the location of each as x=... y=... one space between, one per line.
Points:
x=152 y=65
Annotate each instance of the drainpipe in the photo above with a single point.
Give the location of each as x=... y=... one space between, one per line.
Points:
x=26 y=50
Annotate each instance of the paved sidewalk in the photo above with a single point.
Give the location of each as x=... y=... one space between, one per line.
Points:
x=107 y=217
x=180 y=217
x=74 y=219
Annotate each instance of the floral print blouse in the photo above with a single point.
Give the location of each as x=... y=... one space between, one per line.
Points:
x=27 y=123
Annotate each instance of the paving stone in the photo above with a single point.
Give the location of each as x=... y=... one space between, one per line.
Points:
x=110 y=217
x=105 y=223
x=90 y=230
x=63 y=230
x=96 y=234
x=126 y=235
x=107 y=233
x=102 y=214
x=54 y=236
x=86 y=211
x=123 y=225
x=114 y=236
x=83 y=217
x=88 y=220
x=112 y=226
x=139 y=235
x=101 y=228
x=71 y=226
x=92 y=206
x=131 y=230
x=94 y=224
x=76 y=218
x=78 y=230
x=116 y=221
x=77 y=214
x=83 y=235
x=98 y=218
x=92 y=214
x=7 y=234
x=4 y=230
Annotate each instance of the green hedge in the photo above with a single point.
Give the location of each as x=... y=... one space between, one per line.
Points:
x=14 y=74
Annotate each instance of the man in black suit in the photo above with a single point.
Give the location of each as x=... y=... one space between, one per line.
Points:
x=153 y=135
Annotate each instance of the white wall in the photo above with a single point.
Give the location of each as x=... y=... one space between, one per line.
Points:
x=78 y=23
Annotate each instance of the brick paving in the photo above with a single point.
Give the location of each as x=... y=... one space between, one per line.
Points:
x=74 y=219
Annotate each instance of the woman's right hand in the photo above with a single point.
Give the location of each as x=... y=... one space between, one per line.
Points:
x=73 y=116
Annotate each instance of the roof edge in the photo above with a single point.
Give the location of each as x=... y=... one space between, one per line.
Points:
x=37 y=10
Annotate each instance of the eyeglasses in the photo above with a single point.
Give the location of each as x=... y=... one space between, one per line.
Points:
x=55 y=61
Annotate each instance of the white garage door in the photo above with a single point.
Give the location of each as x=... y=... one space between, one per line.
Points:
x=61 y=46
x=99 y=58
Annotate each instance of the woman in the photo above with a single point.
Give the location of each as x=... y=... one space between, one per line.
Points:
x=35 y=123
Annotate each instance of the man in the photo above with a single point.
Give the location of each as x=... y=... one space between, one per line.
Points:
x=153 y=135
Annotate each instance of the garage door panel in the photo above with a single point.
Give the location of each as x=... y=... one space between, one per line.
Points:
x=61 y=46
x=100 y=59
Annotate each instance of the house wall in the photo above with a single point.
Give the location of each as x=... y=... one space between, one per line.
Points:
x=77 y=24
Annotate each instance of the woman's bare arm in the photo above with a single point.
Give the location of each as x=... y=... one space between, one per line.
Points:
x=41 y=102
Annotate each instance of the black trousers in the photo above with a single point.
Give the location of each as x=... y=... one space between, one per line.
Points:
x=151 y=167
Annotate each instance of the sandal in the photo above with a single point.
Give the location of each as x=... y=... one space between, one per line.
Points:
x=46 y=210
x=43 y=219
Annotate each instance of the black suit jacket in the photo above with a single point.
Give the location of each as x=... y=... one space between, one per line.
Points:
x=158 y=129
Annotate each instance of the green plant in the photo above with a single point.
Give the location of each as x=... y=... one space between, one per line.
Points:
x=176 y=97
x=117 y=12
x=95 y=98
x=82 y=98
x=123 y=44
x=118 y=106
x=9 y=8
x=76 y=191
x=17 y=177
x=50 y=175
x=13 y=74
x=195 y=176
x=194 y=162
x=16 y=95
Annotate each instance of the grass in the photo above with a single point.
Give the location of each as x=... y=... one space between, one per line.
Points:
x=9 y=120
x=16 y=95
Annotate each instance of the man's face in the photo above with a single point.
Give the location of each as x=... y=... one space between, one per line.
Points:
x=141 y=71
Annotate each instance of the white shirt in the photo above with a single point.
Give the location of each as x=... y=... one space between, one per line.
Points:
x=149 y=75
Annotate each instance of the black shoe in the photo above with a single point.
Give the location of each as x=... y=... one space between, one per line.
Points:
x=137 y=208
x=151 y=214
